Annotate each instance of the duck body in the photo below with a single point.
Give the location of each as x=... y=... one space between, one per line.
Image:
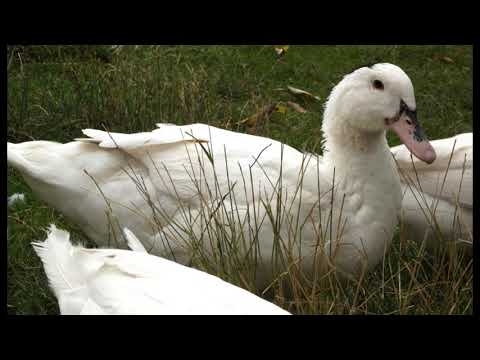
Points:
x=437 y=205
x=180 y=178
x=122 y=282
x=342 y=207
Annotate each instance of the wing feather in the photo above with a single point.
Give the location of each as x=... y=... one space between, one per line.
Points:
x=163 y=136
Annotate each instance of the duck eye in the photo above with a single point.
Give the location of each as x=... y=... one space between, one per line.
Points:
x=377 y=84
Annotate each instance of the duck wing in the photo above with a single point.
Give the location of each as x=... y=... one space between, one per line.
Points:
x=162 y=136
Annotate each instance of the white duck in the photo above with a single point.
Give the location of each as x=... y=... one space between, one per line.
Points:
x=439 y=197
x=254 y=177
x=123 y=282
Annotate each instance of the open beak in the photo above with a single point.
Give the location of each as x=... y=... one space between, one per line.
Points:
x=408 y=129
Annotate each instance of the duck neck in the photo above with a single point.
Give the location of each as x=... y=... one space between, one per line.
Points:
x=347 y=149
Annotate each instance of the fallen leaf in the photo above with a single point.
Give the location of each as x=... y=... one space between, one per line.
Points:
x=280 y=108
x=448 y=60
x=302 y=93
x=260 y=116
x=281 y=49
x=255 y=123
x=296 y=107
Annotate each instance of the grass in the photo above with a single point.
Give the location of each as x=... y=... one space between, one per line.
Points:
x=55 y=91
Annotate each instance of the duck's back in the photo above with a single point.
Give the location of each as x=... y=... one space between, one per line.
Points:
x=112 y=179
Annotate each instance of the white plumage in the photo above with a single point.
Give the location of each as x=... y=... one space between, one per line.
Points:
x=122 y=282
x=438 y=199
x=242 y=179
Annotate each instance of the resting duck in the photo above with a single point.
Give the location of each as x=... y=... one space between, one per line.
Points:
x=342 y=207
x=438 y=199
x=122 y=282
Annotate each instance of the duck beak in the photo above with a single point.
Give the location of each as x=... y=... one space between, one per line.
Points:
x=408 y=129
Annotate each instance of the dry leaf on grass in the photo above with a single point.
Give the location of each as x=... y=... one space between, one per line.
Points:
x=299 y=93
x=445 y=59
x=302 y=93
x=296 y=107
x=259 y=117
x=448 y=59
x=255 y=122
x=281 y=50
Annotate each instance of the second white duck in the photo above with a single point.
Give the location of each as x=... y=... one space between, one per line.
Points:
x=122 y=282
x=437 y=204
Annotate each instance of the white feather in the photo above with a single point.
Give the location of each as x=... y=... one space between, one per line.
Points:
x=56 y=255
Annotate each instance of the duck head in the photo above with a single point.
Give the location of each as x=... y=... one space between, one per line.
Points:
x=374 y=99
